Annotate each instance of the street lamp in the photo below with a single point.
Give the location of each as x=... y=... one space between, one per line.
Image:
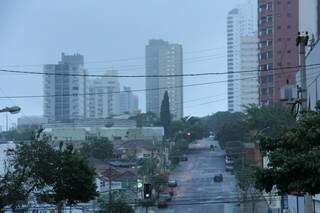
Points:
x=11 y=110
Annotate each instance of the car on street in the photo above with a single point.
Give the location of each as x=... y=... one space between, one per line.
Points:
x=218 y=178
x=172 y=183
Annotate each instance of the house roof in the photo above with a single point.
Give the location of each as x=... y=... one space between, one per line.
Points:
x=104 y=169
x=133 y=144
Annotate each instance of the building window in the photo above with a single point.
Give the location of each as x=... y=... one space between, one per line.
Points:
x=269 y=6
x=262 y=8
x=270 y=91
x=264 y=91
x=270 y=66
x=263 y=67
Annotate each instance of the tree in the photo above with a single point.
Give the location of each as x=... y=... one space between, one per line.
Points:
x=232 y=131
x=188 y=128
x=160 y=182
x=273 y=117
x=98 y=148
x=216 y=121
x=244 y=172
x=119 y=204
x=294 y=154
x=165 y=116
x=54 y=176
x=148 y=167
x=74 y=180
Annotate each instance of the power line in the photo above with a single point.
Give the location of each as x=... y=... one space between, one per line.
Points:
x=136 y=90
x=154 y=76
x=119 y=59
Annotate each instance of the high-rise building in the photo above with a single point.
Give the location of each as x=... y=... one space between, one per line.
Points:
x=63 y=87
x=103 y=96
x=242 y=57
x=128 y=101
x=163 y=58
x=278 y=25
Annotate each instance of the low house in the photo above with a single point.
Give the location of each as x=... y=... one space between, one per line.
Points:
x=138 y=149
x=120 y=177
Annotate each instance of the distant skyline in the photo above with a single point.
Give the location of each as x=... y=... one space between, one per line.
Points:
x=35 y=32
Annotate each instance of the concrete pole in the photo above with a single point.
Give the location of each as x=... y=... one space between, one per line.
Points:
x=308 y=202
x=303 y=75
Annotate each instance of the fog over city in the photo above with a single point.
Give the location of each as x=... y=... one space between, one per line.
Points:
x=112 y=35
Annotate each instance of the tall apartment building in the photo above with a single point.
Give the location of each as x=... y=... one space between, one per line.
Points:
x=278 y=25
x=63 y=101
x=163 y=58
x=129 y=102
x=242 y=57
x=103 y=96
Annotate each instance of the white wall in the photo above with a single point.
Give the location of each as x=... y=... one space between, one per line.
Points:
x=313 y=76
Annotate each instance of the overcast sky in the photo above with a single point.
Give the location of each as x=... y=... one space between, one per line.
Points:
x=35 y=32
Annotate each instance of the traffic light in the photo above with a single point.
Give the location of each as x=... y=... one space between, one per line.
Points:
x=147 y=191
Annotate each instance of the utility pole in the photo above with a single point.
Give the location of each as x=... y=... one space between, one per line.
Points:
x=302 y=42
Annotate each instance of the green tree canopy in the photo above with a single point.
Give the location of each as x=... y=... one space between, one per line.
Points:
x=59 y=176
x=165 y=116
x=273 y=117
x=98 y=148
x=188 y=128
x=293 y=159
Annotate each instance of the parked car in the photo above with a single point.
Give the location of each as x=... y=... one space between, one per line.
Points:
x=218 y=178
x=173 y=183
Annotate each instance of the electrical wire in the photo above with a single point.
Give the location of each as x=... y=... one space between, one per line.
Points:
x=139 y=90
x=120 y=59
x=154 y=76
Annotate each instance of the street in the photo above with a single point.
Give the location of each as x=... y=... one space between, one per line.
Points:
x=196 y=191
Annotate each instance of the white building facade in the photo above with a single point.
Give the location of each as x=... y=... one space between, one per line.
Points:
x=103 y=99
x=163 y=58
x=64 y=86
x=242 y=50
x=129 y=103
